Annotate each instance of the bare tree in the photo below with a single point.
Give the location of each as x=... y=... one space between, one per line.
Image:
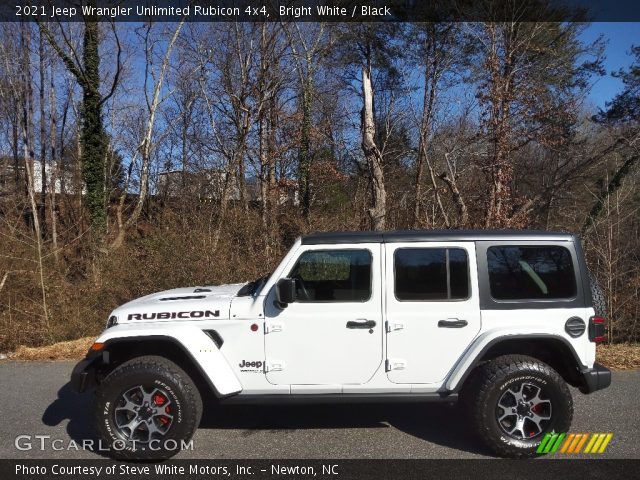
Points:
x=268 y=88
x=145 y=148
x=28 y=149
x=531 y=76
x=436 y=58
x=309 y=45
x=378 y=211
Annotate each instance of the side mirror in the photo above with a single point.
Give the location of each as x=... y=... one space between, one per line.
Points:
x=285 y=292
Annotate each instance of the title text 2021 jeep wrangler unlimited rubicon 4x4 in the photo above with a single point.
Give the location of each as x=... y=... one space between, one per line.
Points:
x=504 y=319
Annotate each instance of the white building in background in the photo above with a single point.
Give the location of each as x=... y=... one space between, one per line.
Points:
x=56 y=187
x=7 y=177
x=64 y=179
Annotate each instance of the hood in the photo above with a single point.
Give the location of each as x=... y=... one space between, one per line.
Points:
x=193 y=303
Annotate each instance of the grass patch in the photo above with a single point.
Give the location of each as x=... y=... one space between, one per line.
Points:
x=71 y=350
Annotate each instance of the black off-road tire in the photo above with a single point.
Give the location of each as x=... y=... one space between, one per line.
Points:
x=151 y=372
x=597 y=295
x=486 y=388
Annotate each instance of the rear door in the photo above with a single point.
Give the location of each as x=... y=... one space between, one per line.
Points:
x=433 y=310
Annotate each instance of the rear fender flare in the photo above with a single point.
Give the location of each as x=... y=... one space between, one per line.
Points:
x=483 y=343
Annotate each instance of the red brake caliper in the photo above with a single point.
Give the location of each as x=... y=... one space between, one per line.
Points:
x=535 y=409
x=159 y=400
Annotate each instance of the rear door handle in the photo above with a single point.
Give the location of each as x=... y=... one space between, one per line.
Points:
x=361 y=323
x=452 y=323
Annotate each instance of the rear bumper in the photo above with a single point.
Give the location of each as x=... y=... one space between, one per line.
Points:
x=595 y=378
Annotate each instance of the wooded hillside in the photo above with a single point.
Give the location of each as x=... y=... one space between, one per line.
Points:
x=135 y=158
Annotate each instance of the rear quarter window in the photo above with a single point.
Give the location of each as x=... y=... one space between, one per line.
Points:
x=530 y=272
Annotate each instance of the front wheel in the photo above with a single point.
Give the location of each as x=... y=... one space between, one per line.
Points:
x=147 y=409
x=515 y=400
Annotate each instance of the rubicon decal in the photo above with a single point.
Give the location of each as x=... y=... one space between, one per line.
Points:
x=574 y=443
x=170 y=315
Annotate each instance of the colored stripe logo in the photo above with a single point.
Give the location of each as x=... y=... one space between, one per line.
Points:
x=572 y=443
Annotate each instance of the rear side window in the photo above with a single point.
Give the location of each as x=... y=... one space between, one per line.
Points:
x=333 y=276
x=431 y=274
x=530 y=273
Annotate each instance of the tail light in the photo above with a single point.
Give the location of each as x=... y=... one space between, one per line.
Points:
x=597 y=329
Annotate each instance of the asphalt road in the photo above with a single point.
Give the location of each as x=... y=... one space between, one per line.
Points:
x=35 y=399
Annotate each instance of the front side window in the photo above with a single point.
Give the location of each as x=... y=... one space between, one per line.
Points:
x=431 y=274
x=530 y=273
x=333 y=276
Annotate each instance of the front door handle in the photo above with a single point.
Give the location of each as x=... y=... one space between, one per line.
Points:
x=361 y=323
x=452 y=323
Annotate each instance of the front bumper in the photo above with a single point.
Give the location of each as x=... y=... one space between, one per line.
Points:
x=83 y=376
x=595 y=378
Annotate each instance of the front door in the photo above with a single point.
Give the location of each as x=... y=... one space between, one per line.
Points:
x=433 y=310
x=332 y=333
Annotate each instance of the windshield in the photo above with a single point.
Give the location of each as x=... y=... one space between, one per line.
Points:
x=254 y=287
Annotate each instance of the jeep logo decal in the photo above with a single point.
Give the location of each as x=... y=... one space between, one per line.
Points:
x=168 y=315
x=255 y=364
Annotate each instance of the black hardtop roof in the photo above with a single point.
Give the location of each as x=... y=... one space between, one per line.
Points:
x=327 y=238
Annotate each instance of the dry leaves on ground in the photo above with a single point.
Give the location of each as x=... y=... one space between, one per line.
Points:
x=620 y=356
x=71 y=350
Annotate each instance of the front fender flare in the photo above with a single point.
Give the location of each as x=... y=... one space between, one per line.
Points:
x=195 y=343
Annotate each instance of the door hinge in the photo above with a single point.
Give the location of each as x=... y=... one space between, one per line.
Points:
x=395 y=364
x=274 y=366
x=394 y=326
x=273 y=327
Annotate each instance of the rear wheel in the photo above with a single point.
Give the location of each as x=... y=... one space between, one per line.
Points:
x=515 y=400
x=147 y=409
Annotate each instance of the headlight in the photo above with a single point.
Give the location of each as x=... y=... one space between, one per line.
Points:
x=113 y=320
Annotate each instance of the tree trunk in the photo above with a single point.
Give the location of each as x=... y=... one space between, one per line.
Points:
x=42 y=213
x=436 y=192
x=430 y=80
x=263 y=155
x=304 y=154
x=242 y=182
x=377 y=212
x=497 y=213
x=271 y=157
x=463 y=211
x=92 y=139
x=28 y=153
x=15 y=131
x=54 y=164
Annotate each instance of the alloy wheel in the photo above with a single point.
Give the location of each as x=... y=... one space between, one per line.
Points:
x=143 y=414
x=523 y=412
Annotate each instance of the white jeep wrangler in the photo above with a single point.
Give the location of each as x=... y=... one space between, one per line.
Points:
x=503 y=319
